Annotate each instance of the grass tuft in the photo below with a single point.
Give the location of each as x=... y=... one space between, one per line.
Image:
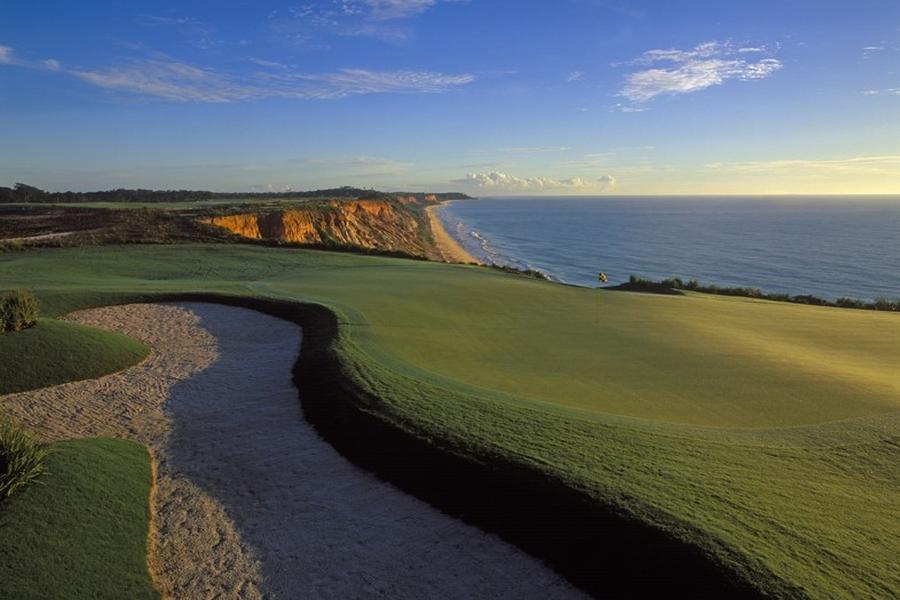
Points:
x=19 y=310
x=22 y=458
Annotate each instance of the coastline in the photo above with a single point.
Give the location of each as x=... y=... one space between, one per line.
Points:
x=449 y=249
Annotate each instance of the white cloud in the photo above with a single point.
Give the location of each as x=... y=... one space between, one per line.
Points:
x=532 y=149
x=397 y=9
x=574 y=76
x=361 y=166
x=164 y=78
x=347 y=82
x=502 y=182
x=857 y=165
x=884 y=92
x=387 y=20
x=169 y=80
x=869 y=51
x=181 y=82
x=708 y=64
x=751 y=49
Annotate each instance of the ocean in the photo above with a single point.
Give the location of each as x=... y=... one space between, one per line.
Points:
x=827 y=246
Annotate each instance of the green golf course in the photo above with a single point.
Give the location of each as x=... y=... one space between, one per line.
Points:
x=763 y=434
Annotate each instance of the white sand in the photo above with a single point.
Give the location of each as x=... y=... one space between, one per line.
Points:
x=249 y=500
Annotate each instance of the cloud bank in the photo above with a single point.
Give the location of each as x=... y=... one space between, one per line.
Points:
x=687 y=71
x=502 y=182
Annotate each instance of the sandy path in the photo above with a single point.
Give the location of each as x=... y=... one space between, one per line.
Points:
x=449 y=249
x=249 y=501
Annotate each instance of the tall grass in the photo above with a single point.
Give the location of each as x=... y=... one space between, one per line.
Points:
x=21 y=458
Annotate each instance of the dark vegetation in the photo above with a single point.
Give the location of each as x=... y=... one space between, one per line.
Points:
x=597 y=547
x=675 y=285
x=65 y=227
x=30 y=194
x=21 y=458
x=19 y=310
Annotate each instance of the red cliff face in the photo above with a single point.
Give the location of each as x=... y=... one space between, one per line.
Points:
x=371 y=224
x=243 y=225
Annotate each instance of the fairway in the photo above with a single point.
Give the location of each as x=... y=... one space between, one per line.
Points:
x=728 y=423
x=700 y=359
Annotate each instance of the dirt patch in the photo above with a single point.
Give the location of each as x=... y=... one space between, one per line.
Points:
x=249 y=500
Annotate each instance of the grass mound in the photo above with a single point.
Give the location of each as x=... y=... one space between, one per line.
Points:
x=82 y=532
x=21 y=458
x=55 y=352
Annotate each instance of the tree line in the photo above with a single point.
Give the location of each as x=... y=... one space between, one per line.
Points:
x=23 y=193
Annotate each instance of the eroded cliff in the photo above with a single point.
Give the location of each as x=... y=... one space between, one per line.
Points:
x=384 y=225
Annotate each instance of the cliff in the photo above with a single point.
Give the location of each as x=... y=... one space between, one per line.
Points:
x=385 y=225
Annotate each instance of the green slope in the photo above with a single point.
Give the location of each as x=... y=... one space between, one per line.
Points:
x=765 y=433
x=82 y=531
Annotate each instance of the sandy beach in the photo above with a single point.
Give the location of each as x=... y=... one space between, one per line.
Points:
x=249 y=502
x=449 y=248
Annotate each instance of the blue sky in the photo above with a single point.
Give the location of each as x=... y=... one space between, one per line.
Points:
x=484 y=96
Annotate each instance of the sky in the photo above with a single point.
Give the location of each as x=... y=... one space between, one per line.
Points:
x=489 y=97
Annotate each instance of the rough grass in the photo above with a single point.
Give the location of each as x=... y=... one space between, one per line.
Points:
x=82 y=531
x=55 y=352
x=763 y=433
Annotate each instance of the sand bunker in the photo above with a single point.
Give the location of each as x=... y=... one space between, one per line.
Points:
x=249 y=501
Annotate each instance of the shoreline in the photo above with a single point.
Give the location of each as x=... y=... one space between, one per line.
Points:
x=449 y=249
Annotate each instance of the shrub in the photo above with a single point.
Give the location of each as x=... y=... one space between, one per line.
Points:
x=850 y=303
x=18 y=310
x=21 y=458
x=885 y=304
x=11 y=246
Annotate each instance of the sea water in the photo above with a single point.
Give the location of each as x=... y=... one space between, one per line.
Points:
x=827 y=246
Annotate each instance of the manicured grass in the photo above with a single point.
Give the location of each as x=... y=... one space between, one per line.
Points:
x=763 y=433
x=82 y=531
x=54 y=352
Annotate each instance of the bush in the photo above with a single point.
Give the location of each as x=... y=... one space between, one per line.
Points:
x=18 y=310
x=885 y=304
x=850 y=303
x=11 y=246
x=673 y=285
x=21 y=458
